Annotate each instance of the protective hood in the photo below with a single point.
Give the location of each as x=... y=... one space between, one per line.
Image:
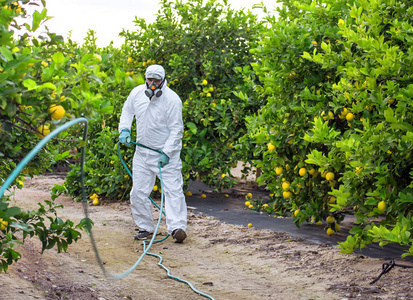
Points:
x=155 y=71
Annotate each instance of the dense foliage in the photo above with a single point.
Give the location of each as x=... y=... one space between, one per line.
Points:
x=336 y=134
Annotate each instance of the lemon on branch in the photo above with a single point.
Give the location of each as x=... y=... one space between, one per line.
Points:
x=287 y=194
x=350 y=117
x=285 y=185
x=278 y=170
x=302 y=171
x=3 y=224
x=42 y=131
x=330 y=176
x=57 y=112
x=381 y=205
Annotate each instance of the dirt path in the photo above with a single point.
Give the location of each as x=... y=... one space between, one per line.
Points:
x=222 y=260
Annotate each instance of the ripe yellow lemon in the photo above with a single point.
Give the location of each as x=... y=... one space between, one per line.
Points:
x=251 y=206
x=296 y=212
x=285 y=185
x=278 y=170
x=271 y=147
x=311 y=171
x=155 y=188
x=330 y=219
x=3 y=224
x=57 y=112
x=188 y=194
x=349 y=117
x=95 y=201
x=203 y=196
x=204 y=82
x=249 y=195
x=42 y=131
x=330 y=115
x=130 y=59
x=381 y=205
x=302 y=171
x=247 y=203
x=249 y=225
x=330 y=231
x=330 y=176
x=287 y=194
x=223 y=175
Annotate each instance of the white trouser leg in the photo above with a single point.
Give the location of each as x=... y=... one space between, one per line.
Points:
x=175 y=205
x=143 y=182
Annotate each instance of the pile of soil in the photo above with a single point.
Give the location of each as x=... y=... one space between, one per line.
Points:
x=222 y=260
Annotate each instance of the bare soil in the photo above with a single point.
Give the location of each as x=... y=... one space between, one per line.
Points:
x=222 y=260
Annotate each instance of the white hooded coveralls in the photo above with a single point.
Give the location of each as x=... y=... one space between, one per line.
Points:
x=159 y=126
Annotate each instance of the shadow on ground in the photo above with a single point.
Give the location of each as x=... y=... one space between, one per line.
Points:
x=232 y=210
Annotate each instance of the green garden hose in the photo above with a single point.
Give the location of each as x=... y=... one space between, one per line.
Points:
x=10 y=179
x=145 y=246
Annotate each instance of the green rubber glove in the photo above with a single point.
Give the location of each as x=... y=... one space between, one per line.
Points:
x=163 y=160
x=124 y=137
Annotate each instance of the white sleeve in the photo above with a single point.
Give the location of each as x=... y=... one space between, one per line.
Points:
x=176 y=128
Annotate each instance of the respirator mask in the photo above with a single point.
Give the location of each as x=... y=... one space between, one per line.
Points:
x=153 y=89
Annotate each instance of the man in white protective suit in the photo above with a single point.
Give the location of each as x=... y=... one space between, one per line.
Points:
x=159 y=125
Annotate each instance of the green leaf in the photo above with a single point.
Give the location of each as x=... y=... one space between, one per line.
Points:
x=58 y=58
x=47 y=85
x=403 y=126
x=388 y=114
x=6 y=53
x=12 y=211
x=355 y=230
x=30 y=84
x=37 y=19
x=106 y=110
x=192 y=127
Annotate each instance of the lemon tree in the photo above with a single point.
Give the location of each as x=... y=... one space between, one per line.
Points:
x=334 y=76
x=43 y=83
x=201 y=44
